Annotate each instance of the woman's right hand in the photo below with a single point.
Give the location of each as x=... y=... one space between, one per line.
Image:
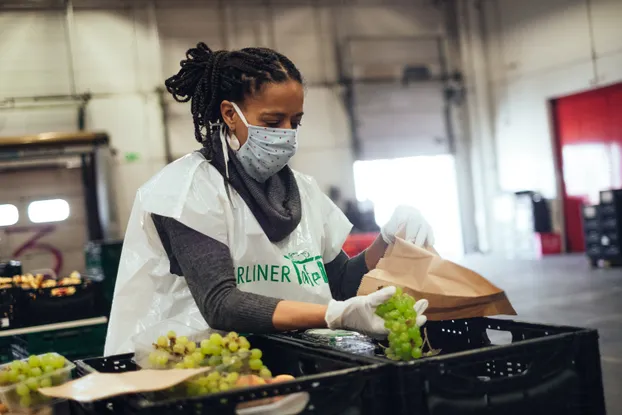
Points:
x=412 y=224
x=359 y=313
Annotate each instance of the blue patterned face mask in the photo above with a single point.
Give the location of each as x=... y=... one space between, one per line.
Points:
x=266 y=150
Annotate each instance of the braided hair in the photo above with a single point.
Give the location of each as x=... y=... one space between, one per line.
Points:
x=206 y=78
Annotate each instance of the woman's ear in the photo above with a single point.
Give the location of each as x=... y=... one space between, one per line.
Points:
x=228 y=114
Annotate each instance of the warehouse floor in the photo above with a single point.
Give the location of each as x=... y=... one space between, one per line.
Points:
x=565 y=290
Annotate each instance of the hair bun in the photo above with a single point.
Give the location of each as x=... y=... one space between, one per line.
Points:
x=198 y=63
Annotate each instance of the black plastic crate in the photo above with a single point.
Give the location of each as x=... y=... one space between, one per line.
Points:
x=497 y=367
x=611 y=197
x=10 y=295
x=73 y=343
x=590 y=225
x=591 y=222
x=10 y=268
x=590 y=212
x=594 y=251
x=609 y=210
x=40 y=307
x=9 y=317
x=611 y=251
x=608 y=238
x=5 y=350
x=593 y=237
x=102 y=264
x=609 y=224
x=337 y=384
x=10 y=308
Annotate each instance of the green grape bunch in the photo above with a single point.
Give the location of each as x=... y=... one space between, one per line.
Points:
x=31 y=374
x=233 y=353
x=403 y=318
x=170 y=349
x=234 y=362
x=213 y=382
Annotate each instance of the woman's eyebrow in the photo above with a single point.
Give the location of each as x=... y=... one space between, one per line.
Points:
x=272 y=114
x=279 y=114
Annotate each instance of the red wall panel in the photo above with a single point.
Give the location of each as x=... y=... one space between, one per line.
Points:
x=589 y=123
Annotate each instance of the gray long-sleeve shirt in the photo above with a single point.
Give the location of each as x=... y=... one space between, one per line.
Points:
x=207 y=266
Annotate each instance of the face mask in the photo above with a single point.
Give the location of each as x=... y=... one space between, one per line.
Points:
x=266 y=150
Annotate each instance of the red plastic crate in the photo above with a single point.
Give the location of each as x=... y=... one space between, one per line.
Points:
x=358 y=242
x=548 y=243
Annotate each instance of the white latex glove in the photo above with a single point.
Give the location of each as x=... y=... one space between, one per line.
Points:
x=359 y=313
x=420 y=307
x=412 y=223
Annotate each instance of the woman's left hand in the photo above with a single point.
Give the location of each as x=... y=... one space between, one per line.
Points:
x=411 y=222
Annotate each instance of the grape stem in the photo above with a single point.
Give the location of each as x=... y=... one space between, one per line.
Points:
x=426 y=342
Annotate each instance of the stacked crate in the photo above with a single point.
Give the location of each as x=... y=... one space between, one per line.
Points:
x=592 y=231
x=10 y=296
x=602 y=227
x=102 y=264
x=611 y=223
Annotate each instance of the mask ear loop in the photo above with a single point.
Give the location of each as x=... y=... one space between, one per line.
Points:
x=223 y=141
x=225 y=152
x=233 y=142
x=240 y=114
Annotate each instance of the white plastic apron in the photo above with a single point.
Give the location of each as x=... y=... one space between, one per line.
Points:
x=193 y=192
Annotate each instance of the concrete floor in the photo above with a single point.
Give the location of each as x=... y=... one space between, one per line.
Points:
x=565 y=290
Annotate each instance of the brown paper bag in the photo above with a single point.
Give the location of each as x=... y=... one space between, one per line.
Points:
x=98 y=386
x=453 y=291
x=105 y=385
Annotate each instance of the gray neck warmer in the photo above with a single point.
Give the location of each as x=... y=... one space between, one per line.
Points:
x=275 y=203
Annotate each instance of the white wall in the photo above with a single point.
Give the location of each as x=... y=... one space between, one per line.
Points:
x=109 y=61
x=517 y=56
x=306 y=35
x=121 y=55
x=544 y=51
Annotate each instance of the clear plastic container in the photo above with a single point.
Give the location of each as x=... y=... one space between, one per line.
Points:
x=345 y=340
x=23 y=403
x=144 y=341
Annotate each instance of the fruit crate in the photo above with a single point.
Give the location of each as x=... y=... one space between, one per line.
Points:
x=336 y=384
x=14 y=399
x=5 y=350
x=10 y=268
x=496 y=367
x=10 y=295
x=73 y=343
x=102 y=264
x=41 y=307
x=10 y=308
x=10 y=317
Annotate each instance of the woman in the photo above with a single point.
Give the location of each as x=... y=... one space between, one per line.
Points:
x=230 y=236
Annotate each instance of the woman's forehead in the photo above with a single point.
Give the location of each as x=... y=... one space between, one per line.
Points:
x=286 y=98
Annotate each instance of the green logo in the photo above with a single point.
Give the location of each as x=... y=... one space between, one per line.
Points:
x=309 y=271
